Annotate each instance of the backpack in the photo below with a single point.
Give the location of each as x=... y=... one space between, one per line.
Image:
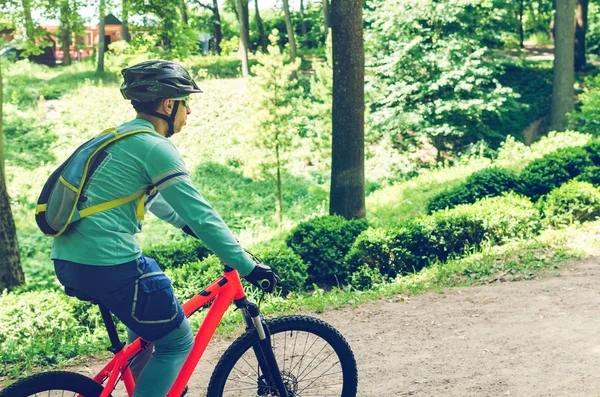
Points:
x=57 y=205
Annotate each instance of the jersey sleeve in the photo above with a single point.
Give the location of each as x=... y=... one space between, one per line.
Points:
x=167 y=171
x=159 y=207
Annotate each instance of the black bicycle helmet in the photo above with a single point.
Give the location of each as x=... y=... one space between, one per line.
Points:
x=152 y=80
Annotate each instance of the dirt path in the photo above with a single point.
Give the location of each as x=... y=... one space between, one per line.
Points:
x=527 y=339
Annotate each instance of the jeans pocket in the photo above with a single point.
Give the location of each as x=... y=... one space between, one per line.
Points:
x=154 y=301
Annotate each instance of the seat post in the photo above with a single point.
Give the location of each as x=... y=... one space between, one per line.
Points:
x=116 y=344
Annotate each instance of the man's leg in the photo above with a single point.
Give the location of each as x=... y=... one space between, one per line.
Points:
x=170 y=352
x=138 y=363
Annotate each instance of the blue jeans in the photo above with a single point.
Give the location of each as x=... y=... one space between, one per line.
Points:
x=141 y=296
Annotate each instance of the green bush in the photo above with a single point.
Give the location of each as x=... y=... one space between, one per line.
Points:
x=399 y=250
x=572 y=202
x=322 y=243
x=449 y=198
x=542 y=175
x=590 y=175
x=41 y=328
x=190 y=278
x=506 y=217
x=491 y=181
x=593 y=149
x=416 y=243
x=455 y=231
x=365 y=277
x=178 y=254
x=287 y=264
x=587 y=119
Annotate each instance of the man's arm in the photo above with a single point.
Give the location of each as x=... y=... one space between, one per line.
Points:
x=167 y=172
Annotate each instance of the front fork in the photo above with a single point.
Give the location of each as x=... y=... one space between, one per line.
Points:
x=263 y=350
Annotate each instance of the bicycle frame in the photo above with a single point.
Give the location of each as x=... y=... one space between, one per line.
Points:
x=225 y=290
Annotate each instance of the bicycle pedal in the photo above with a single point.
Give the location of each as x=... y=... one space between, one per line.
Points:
x=184 y=391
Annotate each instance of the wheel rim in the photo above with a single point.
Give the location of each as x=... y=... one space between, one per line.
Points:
x=308 y=363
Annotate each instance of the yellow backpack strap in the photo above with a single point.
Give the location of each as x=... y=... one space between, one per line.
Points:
x=114 y=203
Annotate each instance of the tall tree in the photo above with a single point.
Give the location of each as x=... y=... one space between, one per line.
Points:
x=184 y=12
x=303 y=28
x=261 y=29
x=101 y=33
x=326 y=19
x=66 y=30
x=347 y=194
x=11 y=273
x=29 y=26
x=564 y=64
x=216 y=20
x=580 y=31
x=521 y=33
x=244 y=43
x=290 y=29
x=125 y=21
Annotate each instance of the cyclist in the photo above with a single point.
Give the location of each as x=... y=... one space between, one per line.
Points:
x=100 y=256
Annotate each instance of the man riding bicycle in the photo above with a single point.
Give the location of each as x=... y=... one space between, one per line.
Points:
x=99 y=255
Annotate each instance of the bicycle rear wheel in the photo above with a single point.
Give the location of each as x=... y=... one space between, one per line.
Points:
x=313 y=357
x=53 y=384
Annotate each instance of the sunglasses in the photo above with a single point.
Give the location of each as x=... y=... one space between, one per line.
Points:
x=185 y=101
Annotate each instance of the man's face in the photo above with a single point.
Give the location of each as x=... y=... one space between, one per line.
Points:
x=181 y=116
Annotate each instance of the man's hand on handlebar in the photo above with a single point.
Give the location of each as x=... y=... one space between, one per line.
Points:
x=263 y=277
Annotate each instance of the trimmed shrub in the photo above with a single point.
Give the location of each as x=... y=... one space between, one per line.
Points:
x=178 y=254
x=506 y=217
x=590 y=175
x=572 y=202
x=416 y=243
x=449 y=198
x=593 y=149
x=455 y=231
x=322 y=243
x=542 y=175
x=399 y=250
x=492 y=181
x=287 y=264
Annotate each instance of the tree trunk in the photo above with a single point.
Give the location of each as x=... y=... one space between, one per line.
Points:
x=245 y=5
x=279 y=187
x=347 y=195
x=521 y=38
x=124 y=23
x=65 y=28
x=261 y=29
x=326 y=19
x=29 y=26
x=290 y=30
x=11 y=273
x=580 y=31
x=564 y=64
x=303 y=29
x=101 y=33
x=243 y=43
x=217 y=26
x=184 y=12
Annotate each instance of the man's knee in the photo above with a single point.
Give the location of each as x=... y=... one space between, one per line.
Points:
x=179 y=341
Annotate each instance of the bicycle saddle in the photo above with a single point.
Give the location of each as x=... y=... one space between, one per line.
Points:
x=79 y=295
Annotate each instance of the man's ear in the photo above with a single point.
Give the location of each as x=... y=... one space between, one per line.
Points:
x=167 y=106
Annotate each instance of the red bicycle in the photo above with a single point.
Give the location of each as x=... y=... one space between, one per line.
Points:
x=290 y=356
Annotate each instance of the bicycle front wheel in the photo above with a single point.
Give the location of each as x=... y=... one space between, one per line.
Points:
x=313 y=357
x=54 y=384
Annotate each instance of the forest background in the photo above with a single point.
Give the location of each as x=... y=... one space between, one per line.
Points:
x=472 y=126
